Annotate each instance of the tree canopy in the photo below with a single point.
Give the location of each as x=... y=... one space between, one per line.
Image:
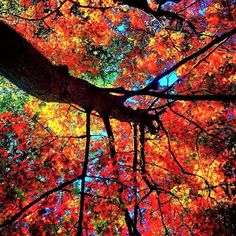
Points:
x=117 y=117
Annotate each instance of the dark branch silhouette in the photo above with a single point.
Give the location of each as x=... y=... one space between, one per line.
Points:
x=27 y=68
x=218 y=39
x=129 y=222
x=84 y=172
x=41 y=197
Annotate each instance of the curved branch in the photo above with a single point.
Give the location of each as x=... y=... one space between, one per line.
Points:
x=43 y=17
x=179 y=164
x=28 y=69
x=143 y=5
x=44 y=195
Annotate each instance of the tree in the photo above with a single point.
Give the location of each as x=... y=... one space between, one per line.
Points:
x=130 y=125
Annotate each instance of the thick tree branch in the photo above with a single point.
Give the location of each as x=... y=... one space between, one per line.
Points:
x=27 y=68
x=175 y=97
x=184 y=97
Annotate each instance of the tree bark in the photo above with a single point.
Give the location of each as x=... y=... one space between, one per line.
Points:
x=27 y=68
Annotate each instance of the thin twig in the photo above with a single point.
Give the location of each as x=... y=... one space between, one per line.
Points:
x=84 y=172
x=44 y=195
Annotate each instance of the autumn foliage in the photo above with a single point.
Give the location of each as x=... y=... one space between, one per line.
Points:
x=67 y=170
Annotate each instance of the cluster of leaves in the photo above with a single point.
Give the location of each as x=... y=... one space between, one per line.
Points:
x=33 y=154
x=11 y=98
x=180 y=181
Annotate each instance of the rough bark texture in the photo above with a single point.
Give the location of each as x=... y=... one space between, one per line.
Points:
x=27 y=68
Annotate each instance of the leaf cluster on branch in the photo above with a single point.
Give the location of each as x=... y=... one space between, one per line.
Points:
x=130 y=123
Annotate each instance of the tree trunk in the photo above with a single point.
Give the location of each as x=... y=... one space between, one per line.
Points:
x=27 y=68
